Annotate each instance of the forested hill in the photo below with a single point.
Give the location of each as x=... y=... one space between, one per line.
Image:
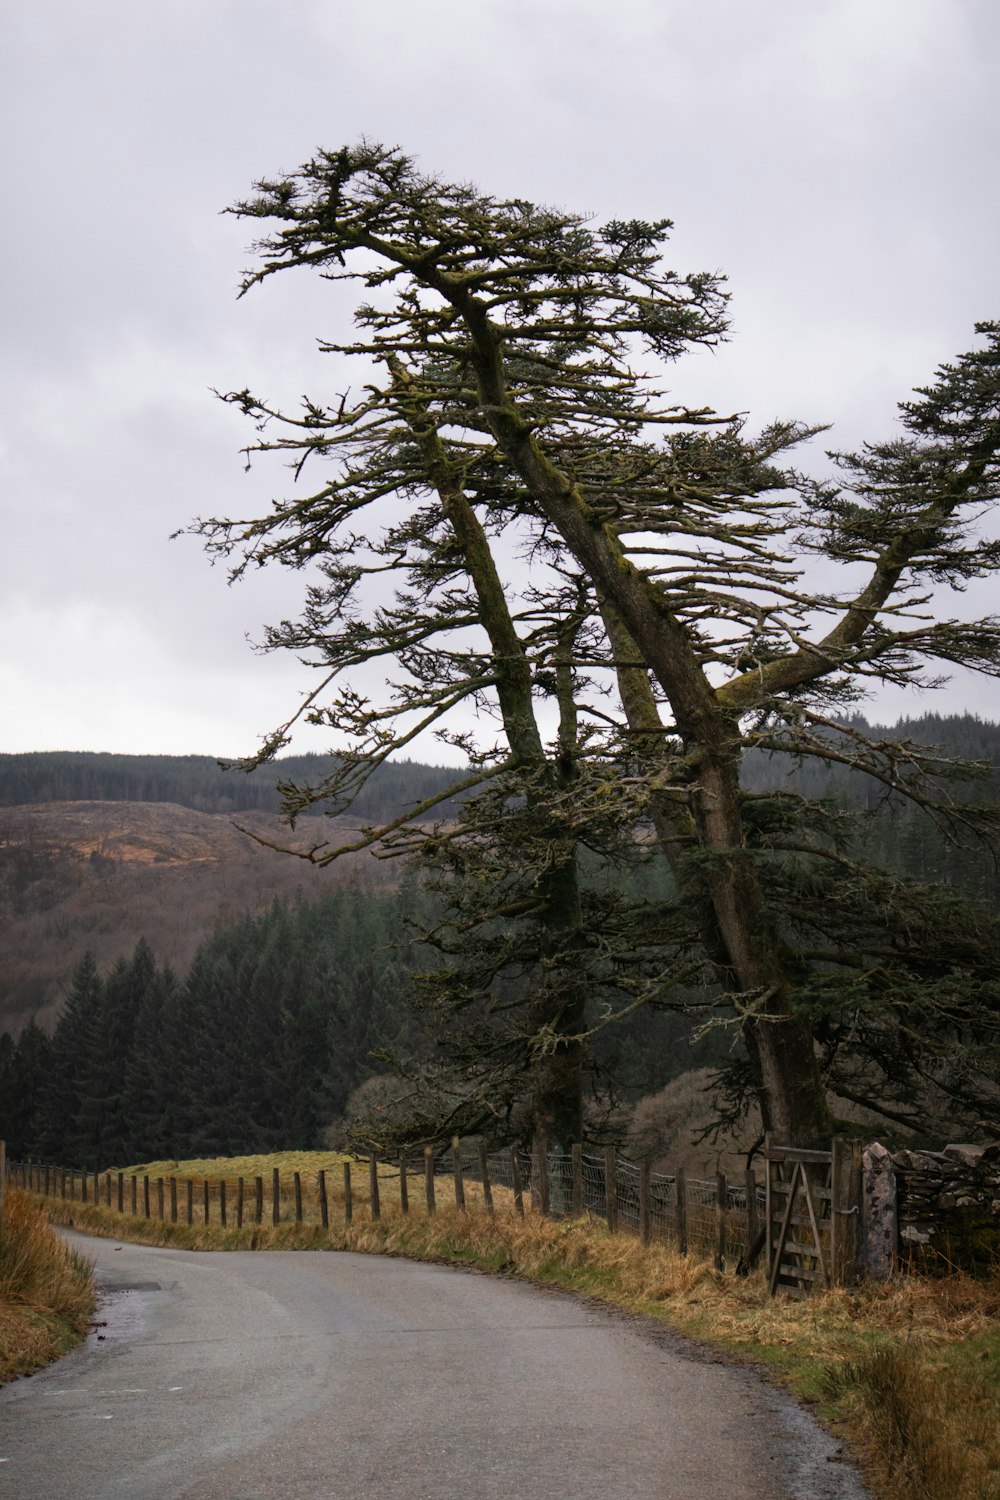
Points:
x=900 y=836
x=962 y=736
x=98 y=851
x=199 y=782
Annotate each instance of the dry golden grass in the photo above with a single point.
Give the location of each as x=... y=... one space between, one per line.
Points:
x=907 y=1370
x=931 y=1423
x=46 y=1292
x=308 y=1163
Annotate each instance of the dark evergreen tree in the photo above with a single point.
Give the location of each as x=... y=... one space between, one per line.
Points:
x=9 y=1095
x=151 y=1069
x=24 y=1067
x=102 y=1124
x=507 y=341
x=61 y=1139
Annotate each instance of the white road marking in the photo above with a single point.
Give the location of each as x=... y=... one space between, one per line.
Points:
x=82 y=1390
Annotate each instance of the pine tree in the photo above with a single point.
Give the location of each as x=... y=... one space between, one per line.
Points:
x=61 y=1137
x=506 y=342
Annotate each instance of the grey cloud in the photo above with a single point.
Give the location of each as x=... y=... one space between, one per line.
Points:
x=836 y=161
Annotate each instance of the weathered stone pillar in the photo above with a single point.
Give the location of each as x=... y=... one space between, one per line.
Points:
x=879 y=1224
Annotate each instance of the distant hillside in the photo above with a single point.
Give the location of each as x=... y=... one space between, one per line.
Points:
x=100 y=875
x=964 y=736
x=97 y=851
x=199 y=782
x=900 y=836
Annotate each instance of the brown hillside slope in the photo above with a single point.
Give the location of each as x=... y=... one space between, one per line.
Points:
x=100 y=875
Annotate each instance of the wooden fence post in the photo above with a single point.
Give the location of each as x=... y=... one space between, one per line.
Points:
x=159 y=1199
x=576 y=1175
x=515 y=1182
x=429 y=1178
x=404 y=1192
x=835 y=1229
x=768 y=1210
x=540 y=1171
x=173 y=1200
x=680 y=1184
x=275 y=1197
x=611 y=1187
x=97 y=1187
x=190 y=1201
x=121 y=1192
x=456 y=1171
x=324 y=1207
x=258 y=1186
x=145 y=1196
x=845 y=1209
x=348 y=1197
x=721 y=1205
x=645 y=1182
x=484 y=1172
x=376 y=1204
x=107 y=1188
x=45 y=1182
x=222 y=1202
x=83 y=1185
x=855 y=1179
x=134 y=1195
x=750 y=1191
x=239 y=1203
x=297 y=1179
x=205 y=1199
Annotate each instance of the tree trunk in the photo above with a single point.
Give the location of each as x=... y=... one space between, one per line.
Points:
x=793 y=1096
x=557 y=1019
x=747 y=957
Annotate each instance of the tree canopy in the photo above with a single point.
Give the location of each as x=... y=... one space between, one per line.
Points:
x=691 y=597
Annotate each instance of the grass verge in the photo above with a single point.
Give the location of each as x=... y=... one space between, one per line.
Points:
x=907 y=1372
x=46 y=1292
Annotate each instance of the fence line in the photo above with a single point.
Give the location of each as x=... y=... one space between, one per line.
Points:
x=713 y=1217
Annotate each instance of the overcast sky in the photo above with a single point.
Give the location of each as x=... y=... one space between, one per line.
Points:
x=836 y=158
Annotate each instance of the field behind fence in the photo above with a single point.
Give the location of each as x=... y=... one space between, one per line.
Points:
x=708 y=1217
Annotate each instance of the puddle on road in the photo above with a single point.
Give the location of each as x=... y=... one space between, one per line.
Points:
x=123 y=1309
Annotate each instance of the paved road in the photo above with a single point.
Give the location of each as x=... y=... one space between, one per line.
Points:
x=312 y=1376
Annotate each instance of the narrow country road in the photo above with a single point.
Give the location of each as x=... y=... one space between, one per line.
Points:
x=324 y=1376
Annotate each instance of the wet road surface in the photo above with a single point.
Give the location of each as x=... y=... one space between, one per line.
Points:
x=329 y=1376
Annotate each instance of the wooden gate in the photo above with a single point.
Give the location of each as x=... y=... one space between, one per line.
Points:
x=811 y=1225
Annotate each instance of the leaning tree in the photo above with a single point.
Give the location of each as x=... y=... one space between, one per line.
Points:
x=514 y=358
